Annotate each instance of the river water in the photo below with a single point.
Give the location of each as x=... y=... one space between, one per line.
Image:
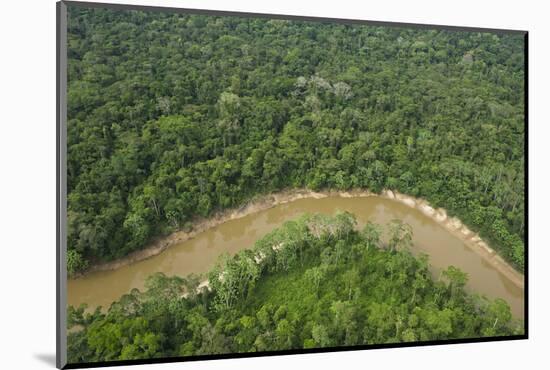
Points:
x=199 y=254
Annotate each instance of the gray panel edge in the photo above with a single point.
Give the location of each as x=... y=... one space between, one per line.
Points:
x=61 y=194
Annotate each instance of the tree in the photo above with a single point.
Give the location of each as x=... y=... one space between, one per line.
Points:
x=371 y=233
x=498 y=314
x=75 y=262
x=138 y=228
x=344 y=223
x=400 y=235
x=345 y=320
x=320 y=336
x=228 y=108
x=355 y=301
x=204 y=205
x=457 y=279
x=285 y=334
x=315 y=276
x=351 y=280
x=144 y=346
x=155 y=143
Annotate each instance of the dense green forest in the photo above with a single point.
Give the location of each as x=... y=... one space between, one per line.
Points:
x=314 y=282
x=175 y=116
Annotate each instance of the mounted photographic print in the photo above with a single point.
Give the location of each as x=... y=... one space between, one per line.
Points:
x=234 y=184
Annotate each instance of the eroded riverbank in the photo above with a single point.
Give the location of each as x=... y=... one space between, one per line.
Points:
x=454 y=225
x=444 y=239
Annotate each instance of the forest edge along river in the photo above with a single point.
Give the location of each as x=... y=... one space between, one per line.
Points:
x=446 y=241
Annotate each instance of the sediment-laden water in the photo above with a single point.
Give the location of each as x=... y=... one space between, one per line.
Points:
x=198 y=255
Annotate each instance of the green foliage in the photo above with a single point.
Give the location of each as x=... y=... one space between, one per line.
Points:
x=174 y=116
x=75 y=262
x=258 y=303
x=400 y=235
x=218 y=110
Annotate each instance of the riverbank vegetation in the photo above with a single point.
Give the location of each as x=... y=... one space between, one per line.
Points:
x=174 y=116
x=314 y=282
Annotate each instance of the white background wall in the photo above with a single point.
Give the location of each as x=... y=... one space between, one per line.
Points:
x=27 y=182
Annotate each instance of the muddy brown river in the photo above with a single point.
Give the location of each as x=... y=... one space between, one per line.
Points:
x=199 y=254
